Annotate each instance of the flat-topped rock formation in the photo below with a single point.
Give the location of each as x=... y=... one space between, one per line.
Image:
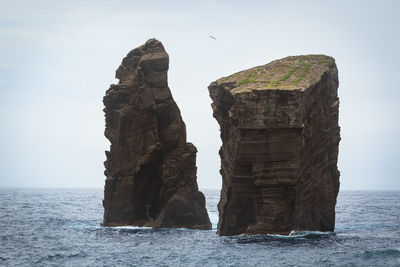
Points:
x=280 y=135
x=150 y=168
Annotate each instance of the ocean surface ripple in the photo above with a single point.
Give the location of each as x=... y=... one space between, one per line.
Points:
x=52 y=227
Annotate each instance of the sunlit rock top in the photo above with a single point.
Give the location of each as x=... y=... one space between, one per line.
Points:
x=289 y=73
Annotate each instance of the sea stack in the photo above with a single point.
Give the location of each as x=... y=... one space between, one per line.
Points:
x=280 y=138
x=150 y=168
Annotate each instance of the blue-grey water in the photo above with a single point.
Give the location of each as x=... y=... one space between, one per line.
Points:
x=52 y=227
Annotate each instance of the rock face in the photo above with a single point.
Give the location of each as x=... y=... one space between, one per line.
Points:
x=280 y=135
x=150 y=168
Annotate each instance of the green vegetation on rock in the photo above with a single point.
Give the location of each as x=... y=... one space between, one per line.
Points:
x=273 y=84
x=294 y=72
x=304 y=69
x=267 y=108
x=252 y=76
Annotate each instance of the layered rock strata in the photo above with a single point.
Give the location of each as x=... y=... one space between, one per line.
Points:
x=280 y=135
x=150 y=168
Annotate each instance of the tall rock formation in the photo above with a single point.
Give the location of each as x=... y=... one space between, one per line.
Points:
x=280 y=135
x=150 y=168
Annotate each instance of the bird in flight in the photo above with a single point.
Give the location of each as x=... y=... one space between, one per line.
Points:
x=212 y=37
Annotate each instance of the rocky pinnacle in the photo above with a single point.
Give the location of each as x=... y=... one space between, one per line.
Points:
x=150 y=168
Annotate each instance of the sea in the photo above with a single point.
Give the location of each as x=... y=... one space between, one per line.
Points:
x=61 y=227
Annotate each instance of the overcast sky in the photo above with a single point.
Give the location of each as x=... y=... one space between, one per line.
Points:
x=57 y=59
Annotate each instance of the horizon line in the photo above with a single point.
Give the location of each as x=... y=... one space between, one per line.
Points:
x=200 y=188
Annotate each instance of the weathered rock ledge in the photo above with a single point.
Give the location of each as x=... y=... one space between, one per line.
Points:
x=150 y=168
x=280 y=135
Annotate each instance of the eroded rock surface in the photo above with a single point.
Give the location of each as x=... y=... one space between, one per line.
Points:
x=280 y=135
x=150 y=168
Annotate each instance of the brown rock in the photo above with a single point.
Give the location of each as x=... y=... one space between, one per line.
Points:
x=280 y=135
x=150 y=168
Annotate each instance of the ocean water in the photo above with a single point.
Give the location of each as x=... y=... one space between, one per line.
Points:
x=53 y=227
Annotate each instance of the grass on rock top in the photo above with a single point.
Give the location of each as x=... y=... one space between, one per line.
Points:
x=295 y=72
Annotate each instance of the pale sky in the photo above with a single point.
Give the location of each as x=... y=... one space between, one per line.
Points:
x=57 y=59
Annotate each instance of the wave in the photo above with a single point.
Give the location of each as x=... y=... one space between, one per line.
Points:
x=310 y=234
x=385 y=253
x=214 y=219
x=129 y=227
x=60 y=256
x=143 y=229
x=293 y=237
